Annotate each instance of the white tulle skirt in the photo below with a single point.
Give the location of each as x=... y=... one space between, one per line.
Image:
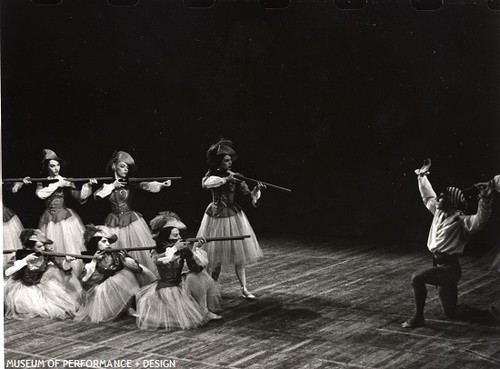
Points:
x=204 y=290
x=169 y=307
x=67 y=235
x=136 y=234
x=108 y=300
x=226 y=253
x=57 y=295
x=11 y=231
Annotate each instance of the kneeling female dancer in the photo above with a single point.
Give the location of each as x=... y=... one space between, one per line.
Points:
x=165 y=303
x=40 y=285
x=111 y=279
x=167 y=228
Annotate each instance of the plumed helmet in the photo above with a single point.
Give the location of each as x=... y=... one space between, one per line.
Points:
x=31 y=234
x=48 y=154
x=121 y=156
x=92 y=231
x=222 y=147
x=165 y=219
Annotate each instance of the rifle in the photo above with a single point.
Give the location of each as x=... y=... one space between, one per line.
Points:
x=143 y=248
x=76 y=256
x=211 y=239
x=10 y=180
x=99 y=179
x=243 y=178
x=132 y=179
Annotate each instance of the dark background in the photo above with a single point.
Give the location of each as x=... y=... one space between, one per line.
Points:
x=339 y=105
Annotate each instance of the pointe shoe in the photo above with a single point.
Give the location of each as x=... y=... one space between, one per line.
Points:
x=413 y=323
x=131 y=312
x=246 y=294
x=213 y=316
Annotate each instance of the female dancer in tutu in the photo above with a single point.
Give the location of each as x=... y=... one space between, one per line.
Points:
x=167 y=228
x=40 y=285
x=225 y=218
x=165 y=303
x=111 y=279
x=59 y=223
x=12 y=226
x=129 y=225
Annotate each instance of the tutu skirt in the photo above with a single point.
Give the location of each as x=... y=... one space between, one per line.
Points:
x=11 y=231
x=136 y=234
x=109 y=299
x=67 y=235
x=226 y=253
x=56 y=296
x=169 y=307
x=204 y=290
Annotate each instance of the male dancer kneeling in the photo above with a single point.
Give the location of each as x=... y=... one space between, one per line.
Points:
x=449 y=233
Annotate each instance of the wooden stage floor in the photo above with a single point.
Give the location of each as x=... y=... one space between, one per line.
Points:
x=321 y=304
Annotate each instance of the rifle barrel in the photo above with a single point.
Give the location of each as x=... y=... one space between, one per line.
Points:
x=131 y=249
x=210 y=239
x=264 y=183
x=76 y=256
x=110 y=179
x=8 y=251
x=36 y=179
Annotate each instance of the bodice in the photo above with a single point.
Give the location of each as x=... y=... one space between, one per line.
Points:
x=121 y=200
x=170 y=273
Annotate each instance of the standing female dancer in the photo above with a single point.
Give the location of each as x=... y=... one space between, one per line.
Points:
x=167 y=228
x=111 y=279
x=12 y=226
x=59 y=223
x=40 y=285
x=225 y=218
x=130 y=227
x=165 y=303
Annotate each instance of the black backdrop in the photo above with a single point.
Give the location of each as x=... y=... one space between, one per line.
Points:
x=339 y=105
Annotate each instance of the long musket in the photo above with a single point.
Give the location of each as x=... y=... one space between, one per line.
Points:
x=239 y=176
x=211 y=239
x=87 y=256
x=35 y=179
x=145 y=248
x=99 y=179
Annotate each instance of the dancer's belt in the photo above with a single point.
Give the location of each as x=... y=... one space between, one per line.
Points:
x=442 y=258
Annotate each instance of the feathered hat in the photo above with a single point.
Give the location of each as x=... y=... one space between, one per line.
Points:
x=121 y=156
x=48 y=154
x=222 y=147
x=31 y=234
x=92 y=231
x=165 y=219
